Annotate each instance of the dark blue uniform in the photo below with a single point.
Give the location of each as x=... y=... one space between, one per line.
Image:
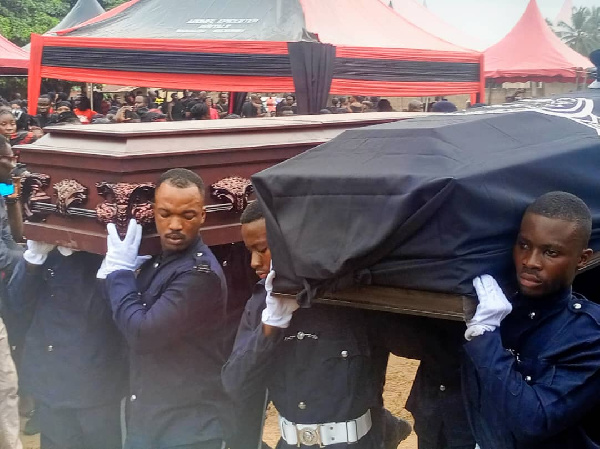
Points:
x=535 y=382
x=74 y=359
x=436 y=399
x=324 y=368
x=172 y=316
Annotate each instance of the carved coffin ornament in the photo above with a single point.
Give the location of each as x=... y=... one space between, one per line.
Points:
x=69 y=194
x=125 y=201
x=32 y=191
x=234 y=190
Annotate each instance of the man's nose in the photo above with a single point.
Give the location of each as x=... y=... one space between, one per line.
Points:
x=532 y=260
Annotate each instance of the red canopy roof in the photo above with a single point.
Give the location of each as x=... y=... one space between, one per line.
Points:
x=532 y=52
x=13 y=60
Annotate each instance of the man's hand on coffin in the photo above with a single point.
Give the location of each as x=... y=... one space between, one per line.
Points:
x=492 y=309
x=37 y=252
x=278 y=312
x=122 y=254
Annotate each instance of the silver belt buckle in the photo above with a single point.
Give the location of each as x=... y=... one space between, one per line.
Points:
x=308 y=437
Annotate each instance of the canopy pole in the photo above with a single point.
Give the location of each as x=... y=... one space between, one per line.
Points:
x=576 y=79
x=489 y=102
x=482 y=80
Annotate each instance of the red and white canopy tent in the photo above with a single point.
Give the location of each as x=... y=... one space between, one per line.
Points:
x=312 y=47
x=13 y=60
x=532 y=52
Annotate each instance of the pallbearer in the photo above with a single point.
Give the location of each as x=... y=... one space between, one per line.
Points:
x=171 y=315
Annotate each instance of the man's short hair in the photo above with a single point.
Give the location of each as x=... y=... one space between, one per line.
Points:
x=182 y=178
x=252 y=213
x=4 y=144
x=564 y=206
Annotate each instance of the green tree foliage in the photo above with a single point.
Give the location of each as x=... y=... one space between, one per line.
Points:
x=20 y=18
x=583 y=34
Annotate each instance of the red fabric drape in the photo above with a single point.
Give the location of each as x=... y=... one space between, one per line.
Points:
x=35 y=76
x=173 y=80
x=400 y=89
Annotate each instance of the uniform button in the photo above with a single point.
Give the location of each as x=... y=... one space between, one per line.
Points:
x=577 y=306
x=51 y=272
x=133 y=397
x=156 y=264
x=224 y=263
x=144 y=304
x=528 y=379
x=442 y=387
x=300 y=335
x=344 y=354
x=302 y=406
x=532 y=315
x=199 y=254
x=50 y=348
x=52 y=295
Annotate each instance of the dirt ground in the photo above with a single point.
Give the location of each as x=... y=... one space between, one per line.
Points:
x=400 y=376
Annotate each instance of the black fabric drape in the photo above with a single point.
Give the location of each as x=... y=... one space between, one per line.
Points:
x=312 y=70
x=236 y=102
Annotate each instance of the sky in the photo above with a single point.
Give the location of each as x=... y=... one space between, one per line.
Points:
x=491 y=20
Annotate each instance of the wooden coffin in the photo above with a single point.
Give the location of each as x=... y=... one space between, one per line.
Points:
x=83 y=177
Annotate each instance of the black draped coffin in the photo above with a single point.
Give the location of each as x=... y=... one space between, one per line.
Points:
x=426 y=203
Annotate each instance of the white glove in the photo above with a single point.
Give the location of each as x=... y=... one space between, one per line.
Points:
x=492 y=309
x=122 y=254
x=66 y=251
x=102 y=272
x=37 y=252
x=278 y=312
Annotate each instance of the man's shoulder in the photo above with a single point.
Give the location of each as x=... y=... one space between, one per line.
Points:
x=579 y=305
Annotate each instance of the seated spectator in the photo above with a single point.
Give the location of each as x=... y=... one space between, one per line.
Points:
x=68 y=117
x=335 y=104
x=223 y=105
x=286 y=111
x=24 y=121
x=367 y=106
x=415 y=106
x=8 y=128
x=44 y=115
x=444 y=106
x=290 y=101
x=384 y=105
x=64 y=106
x=83 y=109
x=253 y=107
x=200 y=111
x=175 y=109
x=214 y=114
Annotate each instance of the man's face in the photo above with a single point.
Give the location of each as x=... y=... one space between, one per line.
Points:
x=179 y=214
x=8 y=125
x=43 y=106
x=224 y=98
x=254 y=235
x=140 y=102
x=547 y=255
x=289 y=101
x=256 y=100
x=7 y=163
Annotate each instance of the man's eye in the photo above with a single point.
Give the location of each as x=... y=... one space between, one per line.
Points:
x=163 y=214
x=523 y=245
x=262 y=251
x=189 y=216
x=551 y=253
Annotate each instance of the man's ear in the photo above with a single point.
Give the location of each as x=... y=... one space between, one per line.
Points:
x=584 y=258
